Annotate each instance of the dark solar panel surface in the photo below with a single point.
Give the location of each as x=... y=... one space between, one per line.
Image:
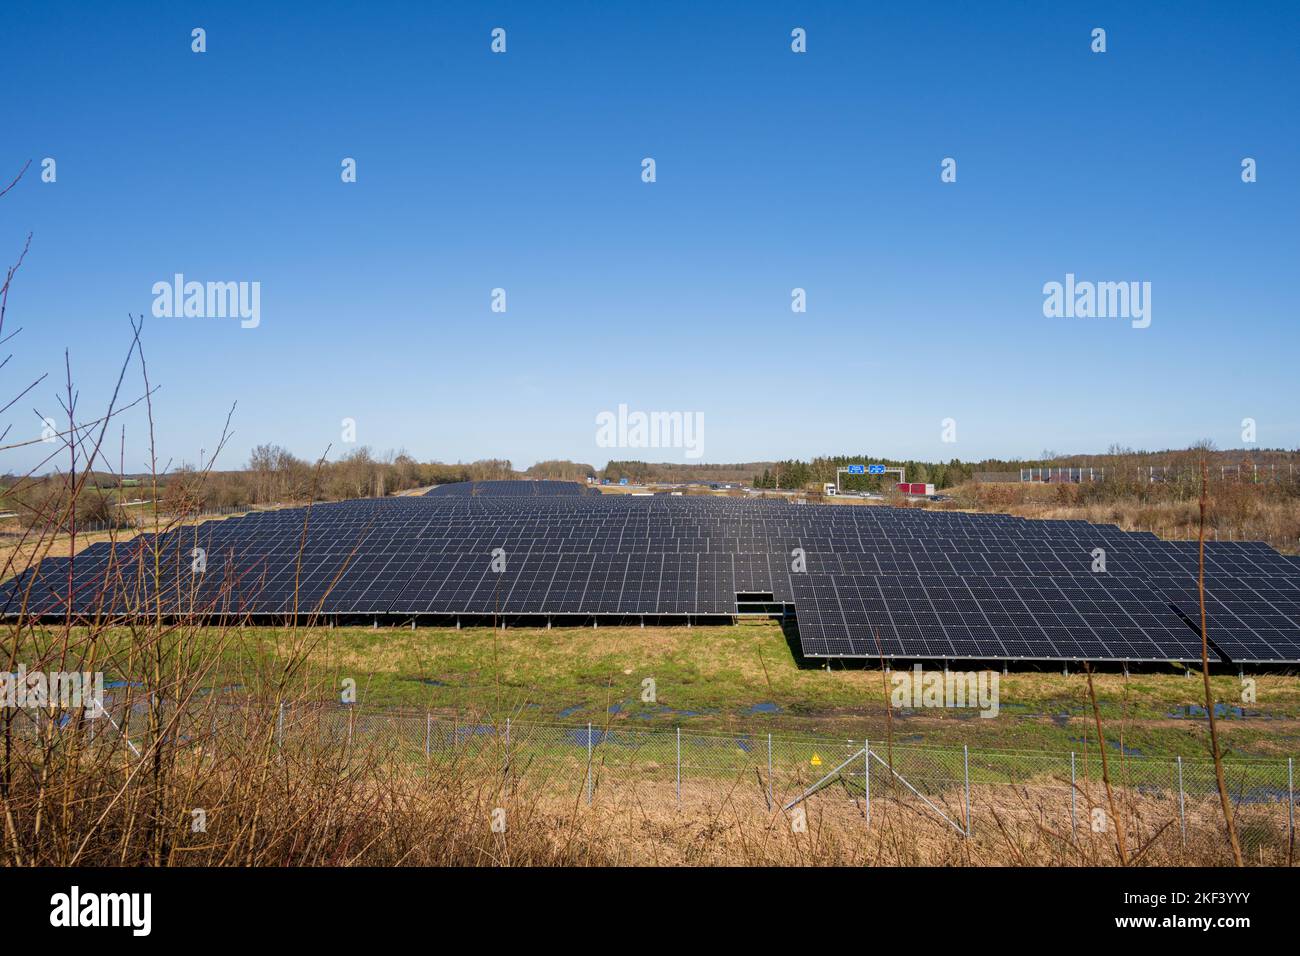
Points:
x=862 y=581
x=511 y=489
x=1249 y=617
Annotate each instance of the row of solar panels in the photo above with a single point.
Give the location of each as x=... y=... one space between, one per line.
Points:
x=1070 y=616
x=664 y=508
x=684 y=526
x=510 y=488
x=659 y=512
x=1077 y=617
x=984 y=558
x=448 y=584
x=1090 y=617
x=1027 y=588
x=696 y=535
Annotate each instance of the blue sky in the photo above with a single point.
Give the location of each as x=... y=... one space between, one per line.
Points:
x=775 y=170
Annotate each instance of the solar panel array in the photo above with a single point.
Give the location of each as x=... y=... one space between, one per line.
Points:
x=861 y=581
x=511 y=489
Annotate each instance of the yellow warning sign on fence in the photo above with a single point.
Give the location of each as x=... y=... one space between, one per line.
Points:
x=816 y=760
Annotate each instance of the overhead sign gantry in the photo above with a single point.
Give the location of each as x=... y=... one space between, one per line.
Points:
x=867 y=470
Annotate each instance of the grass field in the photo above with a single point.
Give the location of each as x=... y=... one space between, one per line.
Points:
x=743 y=678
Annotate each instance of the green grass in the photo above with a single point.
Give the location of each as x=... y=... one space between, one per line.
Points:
x=745 y=678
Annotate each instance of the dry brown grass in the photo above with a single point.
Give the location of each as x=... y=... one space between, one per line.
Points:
x=1238 y=511
x=316 y=802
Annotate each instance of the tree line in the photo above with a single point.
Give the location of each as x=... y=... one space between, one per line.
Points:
x=275 y=476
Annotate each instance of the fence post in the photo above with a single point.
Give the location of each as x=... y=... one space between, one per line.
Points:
x=279 y=727
x=965 y=751
x=1290 y=801
x=588 y=763
x=679 y=766
x=769 y=772
x=866 y=776
x=507 y=767
x=1074 y=823
x=428 y=731
x=1182 y=816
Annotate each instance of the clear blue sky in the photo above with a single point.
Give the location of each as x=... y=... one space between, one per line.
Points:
x=775 y=170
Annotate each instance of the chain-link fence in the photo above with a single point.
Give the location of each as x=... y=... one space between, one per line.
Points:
x=1013 y=803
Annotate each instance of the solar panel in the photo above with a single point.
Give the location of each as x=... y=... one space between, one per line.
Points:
x=1030 y=617
x=1252 y=619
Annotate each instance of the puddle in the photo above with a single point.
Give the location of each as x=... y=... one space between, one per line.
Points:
x=570 y=711
x=765 y=707
x=1221 y=712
